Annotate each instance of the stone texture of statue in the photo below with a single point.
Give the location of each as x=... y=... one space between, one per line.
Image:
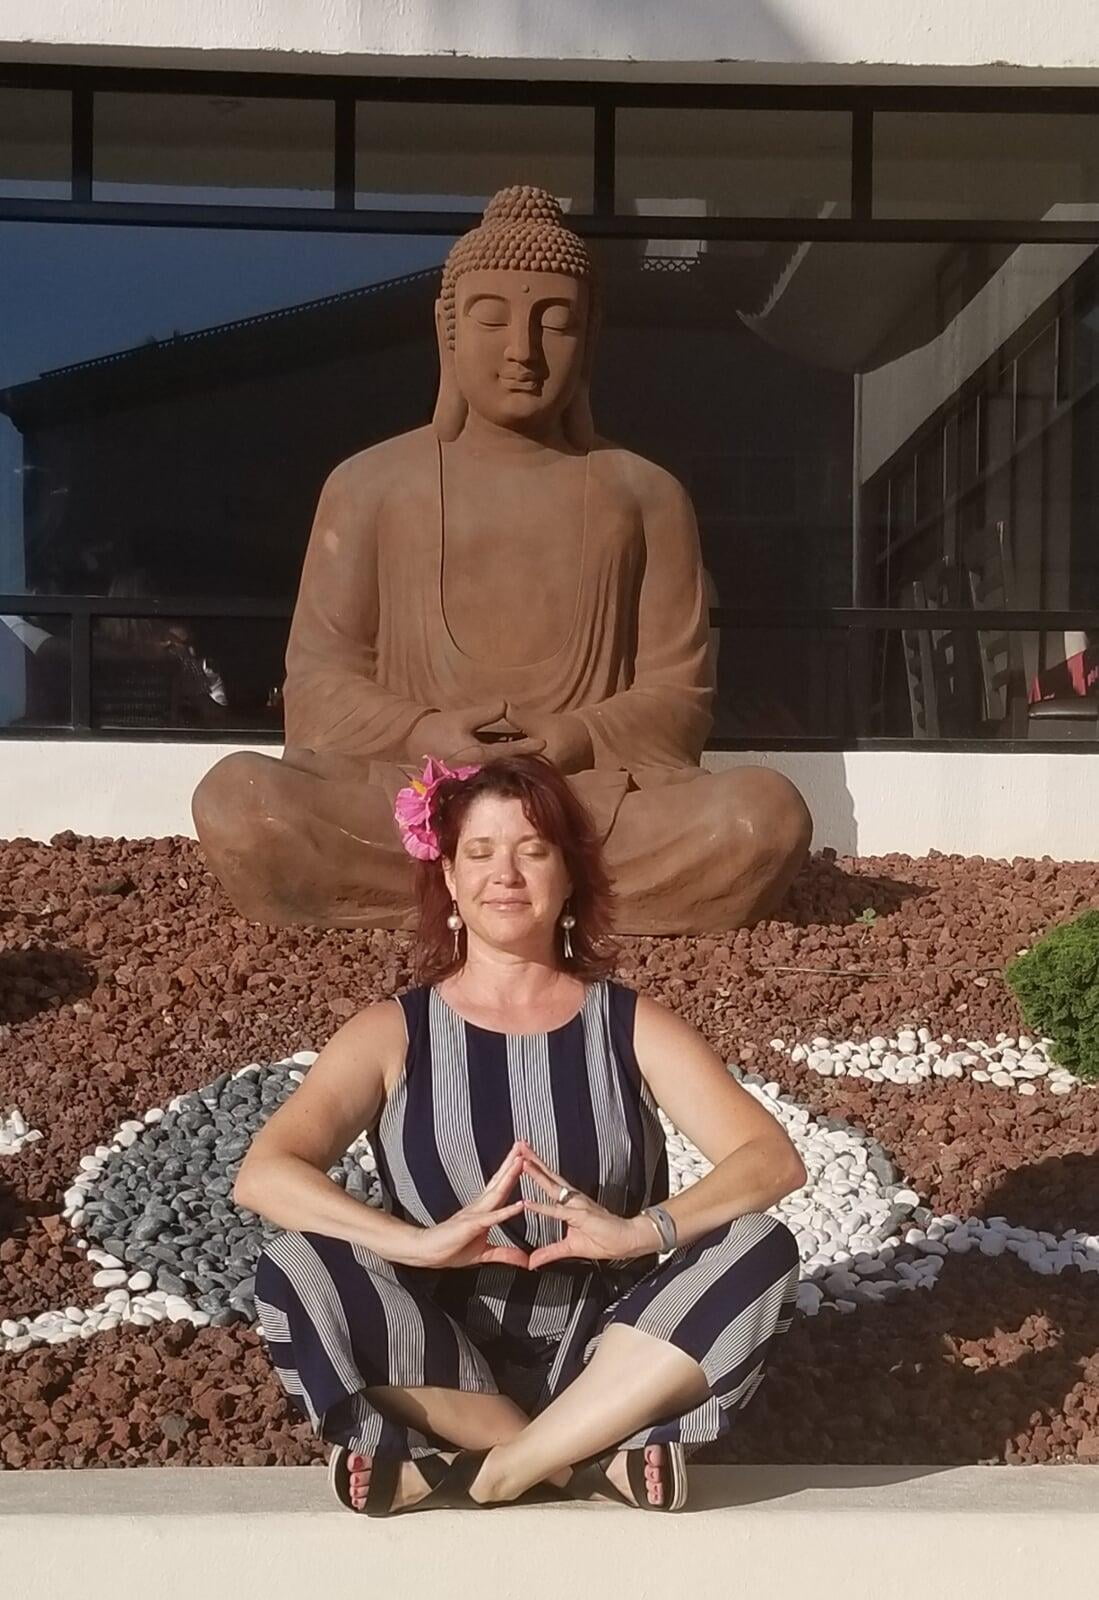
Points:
x=502 y=572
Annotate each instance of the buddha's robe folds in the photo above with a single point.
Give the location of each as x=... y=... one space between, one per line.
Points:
x=371 y=651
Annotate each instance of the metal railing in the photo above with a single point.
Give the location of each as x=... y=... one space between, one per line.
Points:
x=81 y=611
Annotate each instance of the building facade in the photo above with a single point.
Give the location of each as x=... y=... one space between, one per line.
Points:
x=850 y=272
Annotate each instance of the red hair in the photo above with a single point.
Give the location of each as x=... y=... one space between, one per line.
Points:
x=552 y=808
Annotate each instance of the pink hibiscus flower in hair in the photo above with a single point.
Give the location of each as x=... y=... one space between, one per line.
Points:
x=413 y=808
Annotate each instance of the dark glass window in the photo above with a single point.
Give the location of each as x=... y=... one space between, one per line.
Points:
x=733 y=163
x=35 y=133
x=213 y=149
x=415 y=157
x=754 y=427
x=858 y=422
x=960 y=164
x=977 y=436
x=187 y=672
x=171 y=441
x=34 y=671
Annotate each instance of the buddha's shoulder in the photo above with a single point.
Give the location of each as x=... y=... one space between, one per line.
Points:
x=649 y=485
x=387 y=462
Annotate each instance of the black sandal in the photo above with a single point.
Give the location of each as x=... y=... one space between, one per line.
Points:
x=449 y=1480
x=589 y=1477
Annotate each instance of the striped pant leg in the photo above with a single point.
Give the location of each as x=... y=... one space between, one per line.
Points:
x=339 y=1319
x=725 y=1299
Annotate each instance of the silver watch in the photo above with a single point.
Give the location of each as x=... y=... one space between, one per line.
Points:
x=665 y=1224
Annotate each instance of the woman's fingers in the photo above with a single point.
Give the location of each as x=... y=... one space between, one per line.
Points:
x=503 y=1182
x=538 y=1169
x=560 y=1251
x=550 y=1186
x=504 y=1255
x=502 y=1214
x=564 y=1213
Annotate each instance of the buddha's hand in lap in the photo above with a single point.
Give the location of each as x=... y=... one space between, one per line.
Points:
x=451 y=736
x=565 y=737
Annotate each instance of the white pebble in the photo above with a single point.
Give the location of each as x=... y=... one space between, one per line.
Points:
x=102 y=1258
x=109 y=1278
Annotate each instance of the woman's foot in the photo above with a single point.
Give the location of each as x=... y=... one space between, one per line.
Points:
x=655 y=1480
x=411 y=1485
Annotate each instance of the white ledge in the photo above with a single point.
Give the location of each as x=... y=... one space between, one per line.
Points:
x=836 y=1533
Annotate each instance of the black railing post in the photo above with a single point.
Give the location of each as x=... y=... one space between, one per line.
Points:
x=80 y=670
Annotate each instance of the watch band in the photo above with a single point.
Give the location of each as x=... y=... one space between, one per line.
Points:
x=665 y=1226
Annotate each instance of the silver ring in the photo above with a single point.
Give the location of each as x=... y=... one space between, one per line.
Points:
x=565 y=1194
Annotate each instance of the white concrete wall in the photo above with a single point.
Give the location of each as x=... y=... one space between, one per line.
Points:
x=993 y=39
x=863 y=802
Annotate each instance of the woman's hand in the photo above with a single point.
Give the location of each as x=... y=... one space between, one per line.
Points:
x=593 y=1233
x=462 y=1240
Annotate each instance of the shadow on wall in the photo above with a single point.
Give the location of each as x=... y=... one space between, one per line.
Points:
x=745 y=32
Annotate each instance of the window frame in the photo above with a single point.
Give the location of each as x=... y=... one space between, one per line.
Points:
x=604 y=221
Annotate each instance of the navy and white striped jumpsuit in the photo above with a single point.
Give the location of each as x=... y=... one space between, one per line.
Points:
x=339 y=1319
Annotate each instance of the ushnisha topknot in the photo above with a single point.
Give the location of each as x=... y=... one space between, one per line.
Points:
x=522 y=230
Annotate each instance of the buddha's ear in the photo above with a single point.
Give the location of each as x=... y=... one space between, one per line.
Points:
x=578 y=422
x=450 y=406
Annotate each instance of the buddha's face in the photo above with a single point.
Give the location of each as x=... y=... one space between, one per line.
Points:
x=519 y=345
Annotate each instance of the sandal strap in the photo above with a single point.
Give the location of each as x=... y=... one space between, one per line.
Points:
x=452 y=1488
x=385 y=1475
x=589 y=1477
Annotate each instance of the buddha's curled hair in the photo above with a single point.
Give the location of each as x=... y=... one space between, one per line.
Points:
x=522 y=230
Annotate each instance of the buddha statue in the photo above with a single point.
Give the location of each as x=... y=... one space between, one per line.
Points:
x=502 y=580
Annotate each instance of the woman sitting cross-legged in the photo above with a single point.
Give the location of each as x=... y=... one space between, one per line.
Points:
x=523 y=1311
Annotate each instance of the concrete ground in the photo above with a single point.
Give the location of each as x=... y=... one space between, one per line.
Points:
x=840 y=1533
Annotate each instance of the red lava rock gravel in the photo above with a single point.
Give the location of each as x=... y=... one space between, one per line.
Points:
x=126 y=977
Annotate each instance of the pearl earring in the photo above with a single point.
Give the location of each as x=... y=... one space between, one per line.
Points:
x=568 y=922
x=455 y=924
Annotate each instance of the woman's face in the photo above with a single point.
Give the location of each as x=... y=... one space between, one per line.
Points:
x=509 y=882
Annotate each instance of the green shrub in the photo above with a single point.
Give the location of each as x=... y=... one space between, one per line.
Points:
x=1057 y=985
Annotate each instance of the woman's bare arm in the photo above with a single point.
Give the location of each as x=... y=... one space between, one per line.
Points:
x=284 y=1176
x=755 y=1163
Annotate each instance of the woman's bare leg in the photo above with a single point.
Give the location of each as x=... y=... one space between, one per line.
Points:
x=472 y=1421
x=632 y=1379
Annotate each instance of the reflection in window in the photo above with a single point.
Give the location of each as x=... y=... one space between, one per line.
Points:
x=733 y=163
x=35 y=139
x=984 y=435
x=783 y=683
x=985 y=683
x=962 y=164
x=415 y=157
x=185 y=420
x=34 y=671
x=213 y=149
x=180 y=672
x=918 y=683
